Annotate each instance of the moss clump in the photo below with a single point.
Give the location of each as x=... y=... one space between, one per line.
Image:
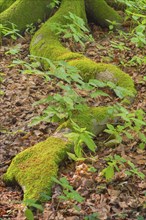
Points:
x=93 y=119
x=33 y=168
x=106 y=72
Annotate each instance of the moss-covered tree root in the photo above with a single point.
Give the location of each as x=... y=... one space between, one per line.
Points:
x=23 y=12
x=34 y=168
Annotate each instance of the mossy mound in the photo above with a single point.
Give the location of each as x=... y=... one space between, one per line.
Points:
x=33 y=168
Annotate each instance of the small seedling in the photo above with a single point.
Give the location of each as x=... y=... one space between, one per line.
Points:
x=68 y=192
x=80 y=136
x=30 y=29
x=31 y=203
x=75 y=30
x=94 y=216
x=115 y=163
x=14 y=50
x=131 y=125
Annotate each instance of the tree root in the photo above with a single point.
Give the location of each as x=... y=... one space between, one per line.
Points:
x=20 y=12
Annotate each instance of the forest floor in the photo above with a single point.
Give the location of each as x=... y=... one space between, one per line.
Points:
x=124 y=197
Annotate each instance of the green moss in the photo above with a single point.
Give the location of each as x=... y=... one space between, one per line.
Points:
x=4 y=4
x=121 y=78
x=23 y=12
x=87 y=67
x=93 y=119
x=34 y=167
x=45 y=42
x=99 y=11
x=106 y=72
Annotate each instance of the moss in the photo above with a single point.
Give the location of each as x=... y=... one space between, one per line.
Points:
x=93 y=119
x=20 y=12
x=122 y=79
x=34 y=167
x=45 y=42
x=4 y=4
x=99 y=11
x=106 y=72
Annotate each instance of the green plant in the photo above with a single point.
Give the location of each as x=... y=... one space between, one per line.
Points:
x=13 y=32
x=14 y=50
x=68 y=192
x=119 y=91
x=53 y=4
x=31 y=203
x=140 y=217
x=1 y=79
x=75 y=30
x=112 y=25
x=30 y=29
x=114 y=164
x=94 y=216
x=131 y=125
x=6 y=30
x=134 y=171
x=139 y=33
x=80 y=136
x=119 y=45
x=69 y=86
x=135 y=12
x=3 y=30
x=137 y=60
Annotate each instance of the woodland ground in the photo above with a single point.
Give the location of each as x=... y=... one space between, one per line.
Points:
x=121 y=198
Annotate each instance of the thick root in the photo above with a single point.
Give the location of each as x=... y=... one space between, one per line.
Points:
x=100 y=12
x=34 y=168
x=20 y=12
